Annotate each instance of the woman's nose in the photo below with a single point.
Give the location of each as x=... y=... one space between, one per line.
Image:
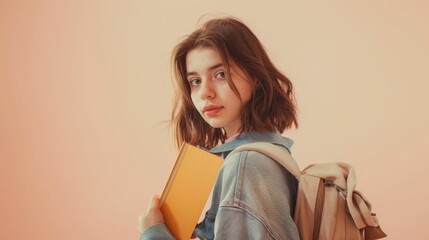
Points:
x=206 y=90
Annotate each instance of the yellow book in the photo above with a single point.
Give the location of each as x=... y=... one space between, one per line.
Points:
x=187 y=189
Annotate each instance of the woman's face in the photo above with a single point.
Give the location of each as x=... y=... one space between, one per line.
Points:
x=219 y=106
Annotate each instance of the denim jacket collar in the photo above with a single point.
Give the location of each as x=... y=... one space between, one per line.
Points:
x=271 y=137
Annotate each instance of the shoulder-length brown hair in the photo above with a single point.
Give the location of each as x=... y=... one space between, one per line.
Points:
x=272 y=105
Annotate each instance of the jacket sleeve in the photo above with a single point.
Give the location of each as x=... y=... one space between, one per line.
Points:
x=256 y=200
x=157 y=232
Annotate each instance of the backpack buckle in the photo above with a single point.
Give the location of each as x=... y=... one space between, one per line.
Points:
x=329 y=183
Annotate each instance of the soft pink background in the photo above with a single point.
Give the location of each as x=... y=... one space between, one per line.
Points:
x=85 y=90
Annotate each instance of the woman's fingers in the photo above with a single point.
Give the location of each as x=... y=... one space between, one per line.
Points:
x=152 y=216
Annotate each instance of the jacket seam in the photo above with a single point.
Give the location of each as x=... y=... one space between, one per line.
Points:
x=240 y=175
x=249 y=210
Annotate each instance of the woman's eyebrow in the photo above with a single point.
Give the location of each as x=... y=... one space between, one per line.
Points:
x=210 y=69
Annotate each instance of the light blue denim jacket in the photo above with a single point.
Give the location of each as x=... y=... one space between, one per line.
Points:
x=253 y=197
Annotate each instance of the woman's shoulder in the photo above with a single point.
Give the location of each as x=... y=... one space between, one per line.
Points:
x=252 y=162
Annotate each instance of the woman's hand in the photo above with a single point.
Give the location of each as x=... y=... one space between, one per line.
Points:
x=152 y=216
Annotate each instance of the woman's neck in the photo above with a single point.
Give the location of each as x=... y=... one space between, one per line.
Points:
x=234 y=136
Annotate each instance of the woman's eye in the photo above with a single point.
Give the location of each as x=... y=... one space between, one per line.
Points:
x=220 y=74
x=194 y=82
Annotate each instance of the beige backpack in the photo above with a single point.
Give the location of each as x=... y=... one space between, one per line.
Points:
x=327 y=205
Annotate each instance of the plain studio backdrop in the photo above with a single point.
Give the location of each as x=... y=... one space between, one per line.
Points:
x=85 y=93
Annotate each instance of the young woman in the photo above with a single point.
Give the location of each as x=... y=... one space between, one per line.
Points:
x=229 y=94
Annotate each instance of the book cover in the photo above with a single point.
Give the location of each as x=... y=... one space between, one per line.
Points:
x=187 y=189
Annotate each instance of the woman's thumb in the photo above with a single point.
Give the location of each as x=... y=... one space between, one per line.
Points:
x=154 y=202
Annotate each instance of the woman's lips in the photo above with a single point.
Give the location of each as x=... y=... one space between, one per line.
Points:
x=211 y=110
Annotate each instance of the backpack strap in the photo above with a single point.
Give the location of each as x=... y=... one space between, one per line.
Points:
x=275 y=152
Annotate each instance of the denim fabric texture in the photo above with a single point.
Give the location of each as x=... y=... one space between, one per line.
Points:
x=253 y=197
